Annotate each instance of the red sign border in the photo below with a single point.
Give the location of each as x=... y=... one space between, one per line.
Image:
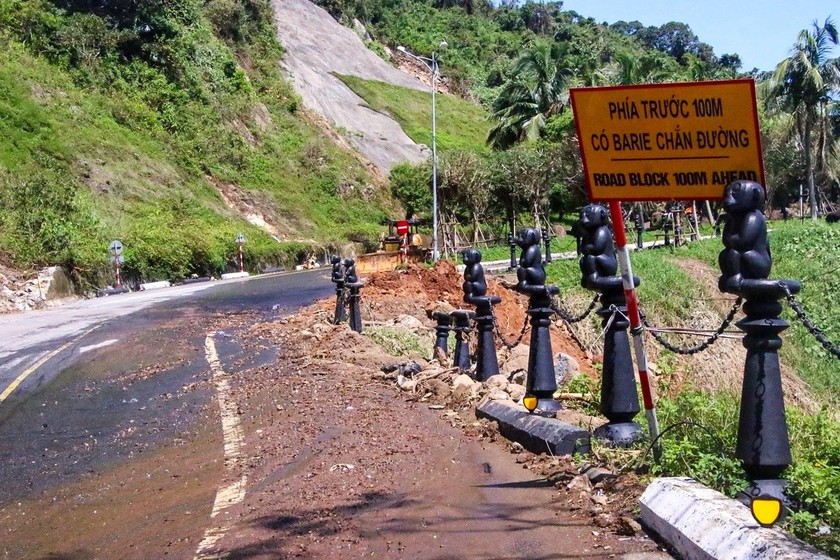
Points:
x=750 y=81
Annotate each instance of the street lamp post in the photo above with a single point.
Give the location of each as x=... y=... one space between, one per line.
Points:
x=432 y=65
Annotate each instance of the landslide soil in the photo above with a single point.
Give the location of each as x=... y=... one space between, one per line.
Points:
x=340 y=463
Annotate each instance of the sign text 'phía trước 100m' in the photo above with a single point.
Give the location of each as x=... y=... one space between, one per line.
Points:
x=668 y=141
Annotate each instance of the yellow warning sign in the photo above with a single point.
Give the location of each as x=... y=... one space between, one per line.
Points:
x=683 y=141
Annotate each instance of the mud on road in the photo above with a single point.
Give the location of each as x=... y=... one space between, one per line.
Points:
x=333 y=460
x=341 y=463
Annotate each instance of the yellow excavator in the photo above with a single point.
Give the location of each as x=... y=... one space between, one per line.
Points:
x=401 y=246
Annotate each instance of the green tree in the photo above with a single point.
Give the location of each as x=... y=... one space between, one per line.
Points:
x=537 y=90
x=466 y=183
x=630 y=68
x=804 y=84
x=529 y=177
x=412 y=186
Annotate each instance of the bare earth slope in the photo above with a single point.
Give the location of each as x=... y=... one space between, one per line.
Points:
x=316 y=47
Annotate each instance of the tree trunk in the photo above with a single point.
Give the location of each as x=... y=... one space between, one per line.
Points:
x=537 y=223
x=712 y=218
x=809 y=169
x=475 y=228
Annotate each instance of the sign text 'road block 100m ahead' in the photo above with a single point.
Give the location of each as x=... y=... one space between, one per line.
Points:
x=683 y=141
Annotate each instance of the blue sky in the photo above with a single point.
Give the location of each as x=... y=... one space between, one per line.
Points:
x=762 y=33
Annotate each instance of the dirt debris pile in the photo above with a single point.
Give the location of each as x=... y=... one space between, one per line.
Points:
x=401 y=303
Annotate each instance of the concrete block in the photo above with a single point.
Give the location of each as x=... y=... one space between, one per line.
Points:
x=535 y=433
x=702 y=524
x=155 y=285
x=234 y=275
x=112 y=291
x=197 y=280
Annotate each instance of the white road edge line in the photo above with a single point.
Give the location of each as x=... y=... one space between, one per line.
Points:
x=102 y=344
x=234 y=439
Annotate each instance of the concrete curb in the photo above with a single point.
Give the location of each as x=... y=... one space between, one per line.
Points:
x=112 y=291
x=234 y=275
x=155 y=285
x=535 y=433
x=196 y=280
x=702 y=524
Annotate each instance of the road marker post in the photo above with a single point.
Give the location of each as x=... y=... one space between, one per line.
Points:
x=117 y=259
x=240 y=240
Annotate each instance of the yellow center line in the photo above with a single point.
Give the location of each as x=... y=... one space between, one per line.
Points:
x=27 y=372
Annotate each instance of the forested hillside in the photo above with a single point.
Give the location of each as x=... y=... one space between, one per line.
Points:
x=167 y=125
x=519 y=60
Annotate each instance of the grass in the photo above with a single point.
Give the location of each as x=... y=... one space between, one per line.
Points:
x=701 y=443
x=460 y=124
x=152 y=189
x=808 y=252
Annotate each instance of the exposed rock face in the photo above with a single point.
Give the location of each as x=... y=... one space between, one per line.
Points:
x=16 y=294
x=317 y=47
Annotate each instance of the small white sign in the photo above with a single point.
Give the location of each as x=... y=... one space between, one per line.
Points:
x=115 y=247
x=240 y=238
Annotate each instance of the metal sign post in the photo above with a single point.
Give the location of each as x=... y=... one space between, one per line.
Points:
x=635 y=322
x=117 y=259
x=240 y=240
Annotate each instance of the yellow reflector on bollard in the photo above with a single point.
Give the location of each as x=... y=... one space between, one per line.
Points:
x=767 y=510
x=530 y=402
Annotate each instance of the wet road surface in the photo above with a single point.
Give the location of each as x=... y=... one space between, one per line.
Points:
x=116 y=400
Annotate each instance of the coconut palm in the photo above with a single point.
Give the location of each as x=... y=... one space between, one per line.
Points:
x=538 y=89
x=631 y=68
x=804 y=84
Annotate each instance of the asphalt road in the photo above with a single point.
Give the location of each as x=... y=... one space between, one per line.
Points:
x=94 y=392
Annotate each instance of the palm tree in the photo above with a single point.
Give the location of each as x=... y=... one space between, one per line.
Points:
x=630 y=68
x=804 y=83
x=538 y=89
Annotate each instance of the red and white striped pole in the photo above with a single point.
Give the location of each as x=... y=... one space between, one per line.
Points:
x=635 y=322
x=241 y=259
x=119 y=279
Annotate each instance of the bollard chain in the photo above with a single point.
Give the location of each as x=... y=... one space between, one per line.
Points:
x=502 y=338
x=703 y=345
x=566 y=316
x=809 y=325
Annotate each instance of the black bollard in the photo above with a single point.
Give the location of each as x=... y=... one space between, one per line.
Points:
x=676 y=213
x=598 y=267
x=576 y=233
x=338 y=279
x=762 y=445
x=546 y=236
x=541 y=382
x=512 y=245
x=442 y=328
x=352 y=282
x=461 y=355
x=475 y=293
x=666 y=228
x=720 y=222
x=640 y=229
